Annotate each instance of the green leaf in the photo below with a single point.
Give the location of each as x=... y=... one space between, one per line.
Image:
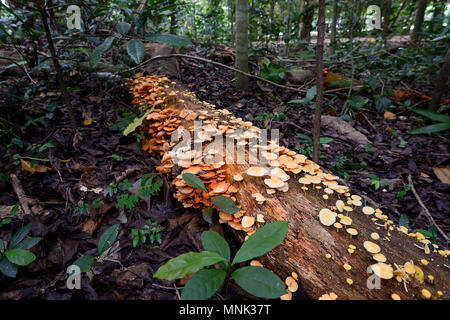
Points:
x=85 y=263
x=433 y=231
x=311 y=93
x=136 y=50
x=28 y=243
x=194 y=181
x=305 y=137
x=187 y=263
x=96 y=54
x=325 y=140
x=259 y=281
x=136 y=123
x=432 y=115
x=262 y=241
x=434 y=128
x=20 y=257
x=203 y=284
x=7 y=268
x=225 y=204
x=403 y=221
x=207 y=214
x=426 y=233
x=170 y=39
x=123 y=28
x=19 y=236
x=107 y=239
x=213 y=241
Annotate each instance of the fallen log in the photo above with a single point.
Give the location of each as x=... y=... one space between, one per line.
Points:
x=336 y=247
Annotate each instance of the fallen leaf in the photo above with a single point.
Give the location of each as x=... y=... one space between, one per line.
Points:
x=88 y=122
x=389 y=115
x=443 y=173
x=26 y=165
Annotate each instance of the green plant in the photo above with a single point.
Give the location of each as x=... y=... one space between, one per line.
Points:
x=271 y=71
x=258 y=281
x=307 y=151
x=442 y=124
x=149 y=185
x=403 y=192
x=150 y=231
x=376 y=182
x=82 y=208
x=104 y=243
x=16 y=252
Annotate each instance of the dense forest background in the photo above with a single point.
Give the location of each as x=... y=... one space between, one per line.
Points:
x=375 y=72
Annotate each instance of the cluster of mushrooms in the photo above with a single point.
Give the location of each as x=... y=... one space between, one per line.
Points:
x=273 y=171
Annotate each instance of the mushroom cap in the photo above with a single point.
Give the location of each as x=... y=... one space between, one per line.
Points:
x=327 y=217
x=379 y=257
x=274 y=182
x=256 y=171
x=352 y=231
x=247 y=221
x=340 y=205
x=375 y=236
x=346 y=220
x=371 y=247
x=279 y=173
x=383 y=270
x=368 y=210
x=238 y=177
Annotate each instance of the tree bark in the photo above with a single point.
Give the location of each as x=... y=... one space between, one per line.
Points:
x=441 y=82
x=418 y=22
x=308 y=17
x=386 y=18
x=334 y=26
x=241 y=43
x=319 y=80
x=305 y=248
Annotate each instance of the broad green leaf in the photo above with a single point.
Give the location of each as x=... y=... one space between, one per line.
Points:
x=19 y=236
x=259 y=281
x=107 y=239
x=295 y=101
x=170 y=39
x=28 y=243
x=194 y=181
x=187 y=263
x=203 y=284
x=136 y=123
x=432 y=115
x=262 y=241
x=96 y=54
x=311 y=93
x=207 y=214
x=84 y=262
x=426 y=233
x=136 y=50
x=305 y=137
x=214 y=242
x=404 y=221
x=20 y=257
x=433 y=231
x=7 y=268
x=225 y=204
x=123 y=28
x=325 y=140
x=434 y=128
x=142 y=20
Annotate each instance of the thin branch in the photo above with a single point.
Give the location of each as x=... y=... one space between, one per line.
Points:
x=427 y=213
x=217 y=64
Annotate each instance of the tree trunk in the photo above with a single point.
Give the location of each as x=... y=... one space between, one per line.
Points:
x=334 y=26
x=231 y=16
x=319 y=255
x=288 y=27
x=420 y=13
x=308 y=17
x=241 y=43
x=386 y=19
x=441 y=82
x=319 y=80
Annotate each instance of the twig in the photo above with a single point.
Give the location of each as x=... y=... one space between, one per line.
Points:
x=217 y=64
x=427 y=213
x=18 y=189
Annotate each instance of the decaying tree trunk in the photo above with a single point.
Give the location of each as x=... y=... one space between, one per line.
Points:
x=326 y=259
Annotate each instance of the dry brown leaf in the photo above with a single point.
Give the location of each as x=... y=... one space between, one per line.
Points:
x=26 y=165
x=443 y=173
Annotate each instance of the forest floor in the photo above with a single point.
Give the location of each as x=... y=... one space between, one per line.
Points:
x=100 y=155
